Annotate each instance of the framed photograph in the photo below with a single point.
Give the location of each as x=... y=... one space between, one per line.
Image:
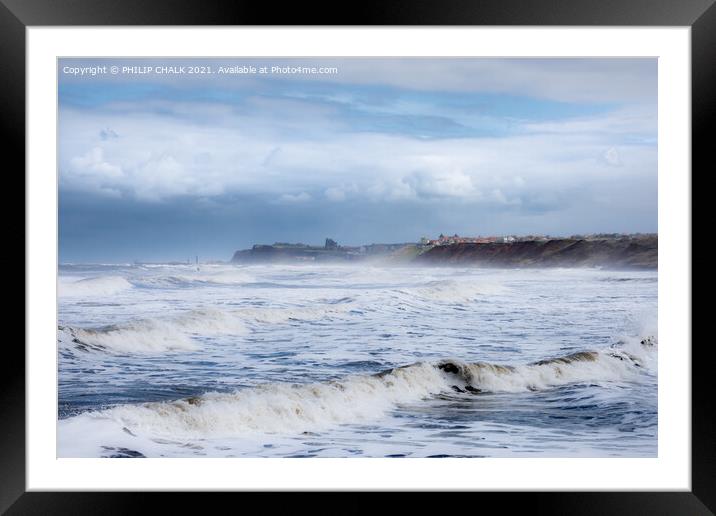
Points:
x=416 y=250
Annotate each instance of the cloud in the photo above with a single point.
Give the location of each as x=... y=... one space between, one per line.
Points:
x=602 y=80
x=611 y=157
x=92 y=173
x=299 y=197
x=107 y=134
x=437 y=183
x=335 y=194
x=93 y=164
x=162 y=156
x=563 y=79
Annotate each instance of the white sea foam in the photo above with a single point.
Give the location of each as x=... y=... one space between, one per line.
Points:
x=380 y=275
x=290 y=408
x=216 y=277
x=451 y=290
x=624 y=363
x=176 y=333
x=282 y=408
x=88 y=287
x=155 y=335
x=227 y=277
x=308 y=313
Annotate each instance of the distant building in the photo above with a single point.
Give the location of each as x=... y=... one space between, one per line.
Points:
x=331 y=244
x=457 y=239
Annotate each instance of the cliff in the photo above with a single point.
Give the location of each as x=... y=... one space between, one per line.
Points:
x=331 y=252
x=270 y=253
x=625 y=253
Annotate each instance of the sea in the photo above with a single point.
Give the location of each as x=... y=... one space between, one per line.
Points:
x=359 y=360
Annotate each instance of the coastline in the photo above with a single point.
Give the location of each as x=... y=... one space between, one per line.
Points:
x=636 y=253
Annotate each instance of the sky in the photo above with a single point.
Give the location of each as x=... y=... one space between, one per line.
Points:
x=161 y=166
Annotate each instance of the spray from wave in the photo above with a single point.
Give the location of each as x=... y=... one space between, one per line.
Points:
x=178 y=333
x=454 y=291
x=90 y=287
x=309 y=313
x=622 y=363
x=153 y=335
x=191 y=279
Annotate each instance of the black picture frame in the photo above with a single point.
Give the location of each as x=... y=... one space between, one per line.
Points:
x=700 y=15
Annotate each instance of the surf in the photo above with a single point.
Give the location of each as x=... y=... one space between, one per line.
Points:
x=153 y=335
x=182 y=331
x=92 y=287
x=287 y=408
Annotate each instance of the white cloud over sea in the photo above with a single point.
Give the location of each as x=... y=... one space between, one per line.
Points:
x=159 y=157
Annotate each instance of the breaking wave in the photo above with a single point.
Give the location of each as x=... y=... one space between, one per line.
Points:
x=189 y=279
x=454 y=290
x=291 y=408
x=98 y=286
x=156 y=335
x=280 y=315
x=622 y=363
x=153 y=335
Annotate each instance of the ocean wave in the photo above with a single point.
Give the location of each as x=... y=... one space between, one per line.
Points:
x=308 y=313
x=278 y=407
x=97 y=286
x=153 y=335
x=620 y=363
x=188 y=279
x=295 y=408
x=454 y=290
x=177 y=333
x=620 y=279
x=377 y=275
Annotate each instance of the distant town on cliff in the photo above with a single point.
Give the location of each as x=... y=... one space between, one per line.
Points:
x=636 y=250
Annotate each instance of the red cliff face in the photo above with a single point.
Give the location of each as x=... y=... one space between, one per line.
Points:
x=631 y=253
